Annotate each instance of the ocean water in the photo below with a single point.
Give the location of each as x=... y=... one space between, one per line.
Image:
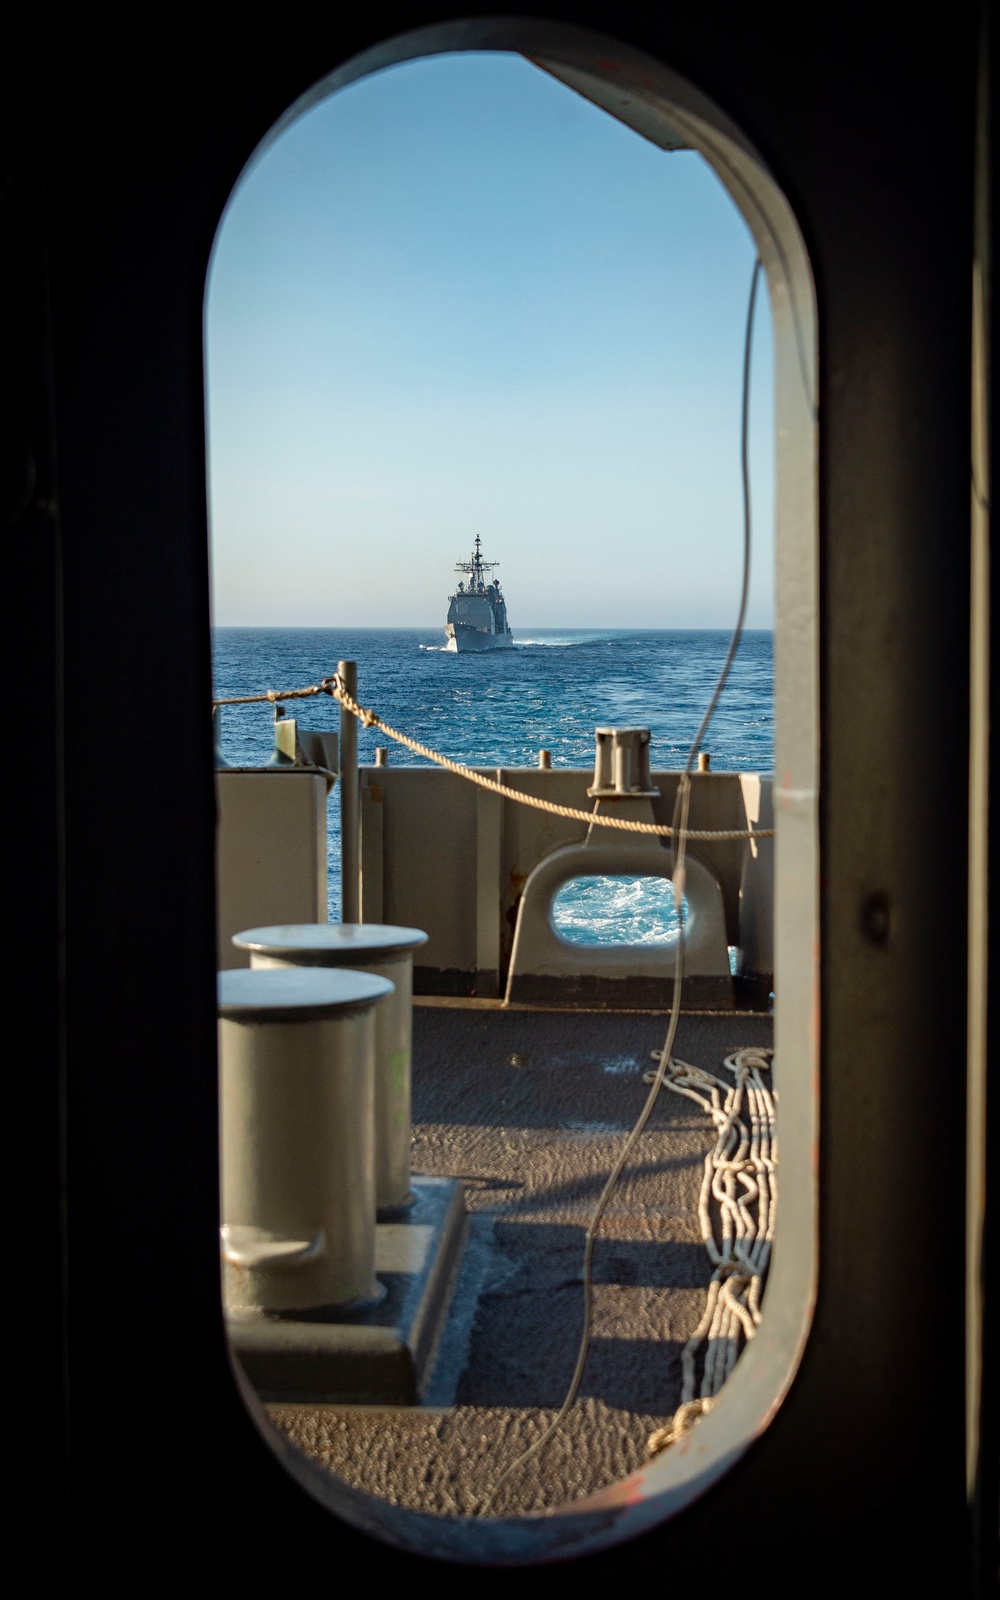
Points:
x=549 y=692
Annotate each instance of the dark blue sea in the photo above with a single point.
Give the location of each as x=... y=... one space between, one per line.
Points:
x=500 y=709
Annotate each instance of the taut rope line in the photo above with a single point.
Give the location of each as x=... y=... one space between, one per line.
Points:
x=370 y=719
x=274 y=695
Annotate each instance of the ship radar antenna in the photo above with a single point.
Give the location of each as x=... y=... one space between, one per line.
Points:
x=476 y=567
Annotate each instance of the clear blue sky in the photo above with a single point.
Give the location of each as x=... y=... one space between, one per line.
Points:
x=456 y=298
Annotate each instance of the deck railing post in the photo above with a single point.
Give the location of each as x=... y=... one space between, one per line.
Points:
x=350 y=909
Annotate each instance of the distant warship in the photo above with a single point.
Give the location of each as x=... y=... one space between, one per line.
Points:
x=477 y=614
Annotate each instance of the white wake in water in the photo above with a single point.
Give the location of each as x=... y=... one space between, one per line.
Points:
x=616 y=910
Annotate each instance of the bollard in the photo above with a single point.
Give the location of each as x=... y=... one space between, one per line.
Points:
x=297 y=1083
x=545 y=759
x=388 y=953
x=350 y=861
x=621 y=763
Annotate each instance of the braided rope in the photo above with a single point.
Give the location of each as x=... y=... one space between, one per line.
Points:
x=274 y=695
x=740 y=1176
x=370 y=719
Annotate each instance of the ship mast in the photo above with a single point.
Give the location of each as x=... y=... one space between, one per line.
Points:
x=476 y=567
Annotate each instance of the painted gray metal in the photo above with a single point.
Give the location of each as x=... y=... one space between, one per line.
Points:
x=541 y=953
x=379 y=1353
x=331 y=944
x=388 y=953
x=454 y=859
x=296 y=996
x=297 y=1109
x=349 y=802
x=621 y=762
x=270 y=850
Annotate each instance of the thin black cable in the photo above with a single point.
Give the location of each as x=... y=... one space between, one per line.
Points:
x=682 y=805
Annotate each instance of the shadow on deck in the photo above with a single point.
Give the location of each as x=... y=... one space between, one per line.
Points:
x=528 y=1108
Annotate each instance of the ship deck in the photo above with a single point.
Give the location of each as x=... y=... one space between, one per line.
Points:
x=528 y=1108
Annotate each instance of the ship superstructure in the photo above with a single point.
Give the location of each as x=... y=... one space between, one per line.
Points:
x=477 y=611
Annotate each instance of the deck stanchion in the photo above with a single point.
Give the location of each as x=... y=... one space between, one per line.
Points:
x=350 y=898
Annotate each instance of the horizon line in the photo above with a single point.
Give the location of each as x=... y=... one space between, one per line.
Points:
x=430 y=627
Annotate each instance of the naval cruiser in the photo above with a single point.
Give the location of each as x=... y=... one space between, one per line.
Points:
x=477 y=614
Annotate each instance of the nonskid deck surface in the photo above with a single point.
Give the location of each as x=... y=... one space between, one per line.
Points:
x=529 y=1108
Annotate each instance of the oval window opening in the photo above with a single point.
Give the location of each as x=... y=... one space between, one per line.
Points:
x=617 y=910
x=481 y=1092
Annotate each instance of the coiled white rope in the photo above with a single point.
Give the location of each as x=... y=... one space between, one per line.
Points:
x=736 y=1209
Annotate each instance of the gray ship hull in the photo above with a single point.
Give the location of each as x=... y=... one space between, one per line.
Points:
x=463 y=639
x=477 y=612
